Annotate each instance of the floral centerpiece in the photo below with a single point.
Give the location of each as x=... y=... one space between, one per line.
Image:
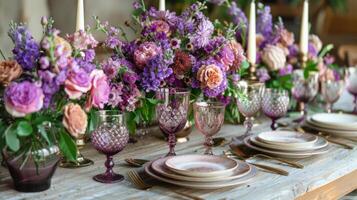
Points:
x=45 y=85
x=187 y=51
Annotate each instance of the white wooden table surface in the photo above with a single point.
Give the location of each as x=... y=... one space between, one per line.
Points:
x=78 y=184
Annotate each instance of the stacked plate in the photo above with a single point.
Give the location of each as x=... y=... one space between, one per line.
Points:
x=201 y=171
x=287 y=144
x=340 y=125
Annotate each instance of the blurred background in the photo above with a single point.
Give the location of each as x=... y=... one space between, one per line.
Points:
x=335 y=21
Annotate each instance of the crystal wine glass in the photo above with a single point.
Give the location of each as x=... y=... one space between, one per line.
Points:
x=304 y=90
x=209 y=117
x=249 y=102
x=109 y=138
x=331 y=91
x=351 y=84
x=275 y=104
x=171 y=113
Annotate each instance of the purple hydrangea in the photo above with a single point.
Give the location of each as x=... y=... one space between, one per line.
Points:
x=202 y=35
x=26 y=50
x=263 y=75
x=154 y=73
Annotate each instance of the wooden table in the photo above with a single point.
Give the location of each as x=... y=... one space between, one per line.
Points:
x=329 y=176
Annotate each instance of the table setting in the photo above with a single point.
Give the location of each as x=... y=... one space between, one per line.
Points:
x=193 y=77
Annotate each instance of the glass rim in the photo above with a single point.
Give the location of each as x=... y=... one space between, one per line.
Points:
x=110 y=112
x=178 y=90
x=213 y=104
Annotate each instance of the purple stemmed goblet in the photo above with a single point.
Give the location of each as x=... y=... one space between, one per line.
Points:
x=249 y=102
x=209 y=117
x=331 y=91
x=109 y=138
x=171 y=113
x=351 y=84
x=304 y=90
x=275 y=104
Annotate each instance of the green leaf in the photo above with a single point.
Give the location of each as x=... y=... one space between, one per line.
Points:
x=67 y=146
x=24 y=128
x=325 y=50
x=152 y=101
x=11 y=138
x=93 y=121
x=43 y=133
x=130 y=122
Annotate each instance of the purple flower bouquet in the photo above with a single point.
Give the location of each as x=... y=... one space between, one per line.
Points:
x=180 y=51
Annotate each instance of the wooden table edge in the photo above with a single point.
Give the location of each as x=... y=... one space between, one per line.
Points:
x=333 y=190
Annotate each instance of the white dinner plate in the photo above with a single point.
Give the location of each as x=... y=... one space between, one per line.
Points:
x=317 y=145
x=203 y=185
x=287 y=154
x=287 y=138
x=336 y=121
x=158 y=166
x=339 y=133
x=201 y=165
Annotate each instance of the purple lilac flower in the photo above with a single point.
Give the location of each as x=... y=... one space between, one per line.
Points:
x=111 y=67
x=264 y=22
x=154 y=73
x=112 y=41
x=115 y=94
x=136 y=5
x=263 y=75
x=312 y=51
x=224 y=99
x=329 y=59
x=44 y=62
x=235 y=78
x=49 y=85
x=130 y=78
x=26 y=50
x=238 y=18
x=214 y=44
x=288 y=69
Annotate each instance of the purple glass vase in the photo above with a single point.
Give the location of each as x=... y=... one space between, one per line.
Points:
x=29 y=176
x=109 y=138
x=351 y=85
x=171 y=113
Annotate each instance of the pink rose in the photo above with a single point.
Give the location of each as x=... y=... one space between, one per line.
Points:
x=77 y=83
x=238 y=52
x=210 y=76
x=274 y=57
x=145 y=52
x=99 y=94
x=161 y=27
x=23 y=98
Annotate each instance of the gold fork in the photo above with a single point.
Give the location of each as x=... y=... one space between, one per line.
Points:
x=139 y=182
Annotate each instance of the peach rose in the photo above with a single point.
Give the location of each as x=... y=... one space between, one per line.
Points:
x=210 y=76
x=74 y=119
x=315 y=40
x=274 y=57
x=9 y=71
x=286 y=38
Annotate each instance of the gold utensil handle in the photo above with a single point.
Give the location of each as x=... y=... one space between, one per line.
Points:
x=291 y=163
x=347 y=146
x=271 y=169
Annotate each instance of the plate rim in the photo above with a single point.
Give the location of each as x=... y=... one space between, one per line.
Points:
x=202 y=174
x=287 y=144
x=195 y=185
x=334 y=123
x=201 y=179
x=341 y=133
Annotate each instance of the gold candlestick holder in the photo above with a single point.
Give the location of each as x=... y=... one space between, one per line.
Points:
x=303 y=59
x=81 y=161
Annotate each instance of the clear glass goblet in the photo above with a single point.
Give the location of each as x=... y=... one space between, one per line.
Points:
x=331 y=91
x=304 y=90
x=351 y=84
x=209 y=118
x=275 y=104
x=249 y=102
x=171 y=113
x=109 y=138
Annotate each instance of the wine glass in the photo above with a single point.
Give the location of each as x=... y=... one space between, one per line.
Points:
x=209 y=118
x=331 y=91
x=275 y=104
x=171 y=113
x=109 y=138
x=304 y=90
x=249 y=102
x=351 y=84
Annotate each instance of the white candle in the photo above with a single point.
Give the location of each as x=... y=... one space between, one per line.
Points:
x=162 y=5
x=252 y=35
x=304 y=32
x=80 y=16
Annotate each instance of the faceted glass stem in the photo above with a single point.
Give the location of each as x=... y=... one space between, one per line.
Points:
x=248 y=124
x=328 y=107
x=172 y=144
x=355 y=102
x=208 y=144
x=273 y=124
x=109 y=164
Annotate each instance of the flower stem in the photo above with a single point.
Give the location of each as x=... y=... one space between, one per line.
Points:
x=2 y=55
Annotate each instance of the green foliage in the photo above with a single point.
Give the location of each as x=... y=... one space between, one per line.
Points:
x=311 y=66
x=12 y=141
x=67 y=145
x=24 y=128
x=325 y=50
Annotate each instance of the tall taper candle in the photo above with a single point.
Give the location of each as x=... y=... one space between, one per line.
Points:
x=162 y=5
x=252 y=35
x=80 y=16
x=304 y=32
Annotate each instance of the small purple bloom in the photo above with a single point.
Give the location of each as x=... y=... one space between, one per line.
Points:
x=288 y=69
x=44 y=62
x=263 y=75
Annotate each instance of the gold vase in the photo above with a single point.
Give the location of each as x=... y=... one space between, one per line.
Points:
x=81 y=161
